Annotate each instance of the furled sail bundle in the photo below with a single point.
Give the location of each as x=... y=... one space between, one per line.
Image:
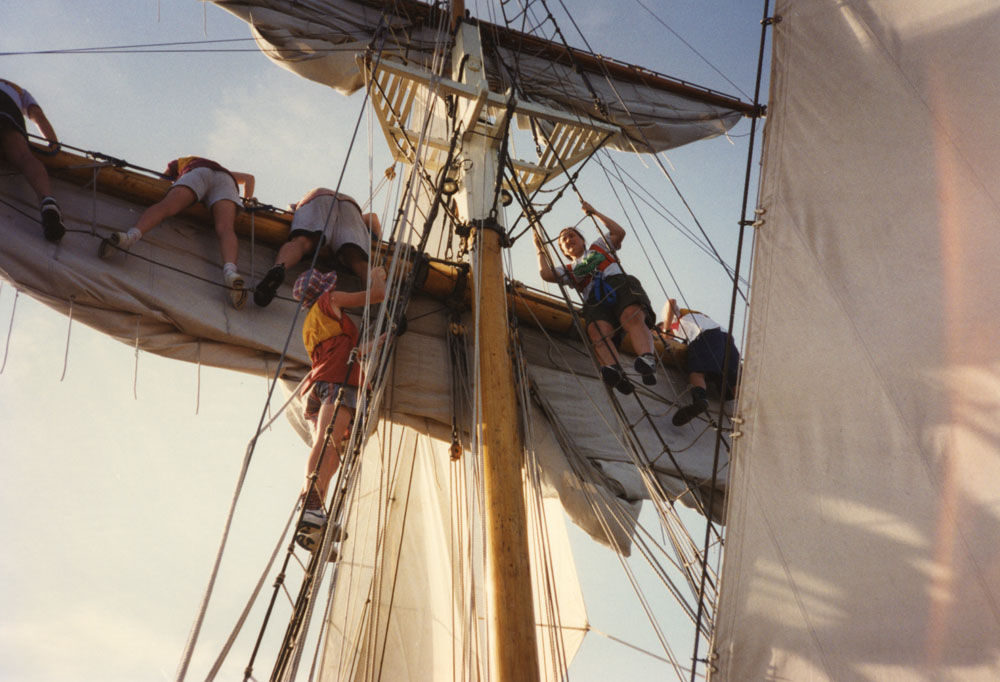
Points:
x=320 y=41
x=165 y=297
x=863 y=509
x=588 y=456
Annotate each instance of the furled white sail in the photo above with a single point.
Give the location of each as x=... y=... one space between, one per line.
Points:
x=863 y=517
x=321 y=40
x=165 y=296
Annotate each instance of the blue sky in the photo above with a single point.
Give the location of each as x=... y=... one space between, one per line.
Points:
x=112 y=506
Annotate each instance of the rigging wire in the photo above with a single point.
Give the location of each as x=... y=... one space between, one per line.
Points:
x=690 y=47
x=196 y=628
x=744 y=223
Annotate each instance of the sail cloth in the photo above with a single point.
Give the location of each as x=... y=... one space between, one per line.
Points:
x=165 y=296
x=410 y=599
x=864 y=511
x=321 y=40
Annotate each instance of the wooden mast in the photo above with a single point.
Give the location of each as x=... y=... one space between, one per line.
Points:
x=513 y=645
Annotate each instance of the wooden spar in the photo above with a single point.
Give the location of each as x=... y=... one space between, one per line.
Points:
x=268 y=226
x=271 y=227
x=513 y=643
x=420 y=12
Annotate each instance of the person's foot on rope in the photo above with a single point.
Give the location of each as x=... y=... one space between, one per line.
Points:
x=699 y=404
x=237 y=292
x=267 y=288
x=118 y=241
x=613 y=376
x=645 y=365
x=52 y=224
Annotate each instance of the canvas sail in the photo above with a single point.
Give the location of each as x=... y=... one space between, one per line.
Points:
x=320 y=41
x=410 y=600
x=863 y=509
x=166 y=297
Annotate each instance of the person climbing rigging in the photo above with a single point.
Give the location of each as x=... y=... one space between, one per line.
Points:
x=329 y=337
x=707 y=344
x=197 y=179
x=15 y=104
x=331 y=219
x=613 y=301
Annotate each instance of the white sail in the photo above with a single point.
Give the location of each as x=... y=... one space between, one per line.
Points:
x=410 y=602
x=320 y=41
x=165 y=297
x=863 y=506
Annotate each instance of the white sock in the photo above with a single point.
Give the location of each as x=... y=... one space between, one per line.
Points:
x=131 y=237
x=229 y=271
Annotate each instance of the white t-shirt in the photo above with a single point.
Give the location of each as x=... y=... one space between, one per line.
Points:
x=692 y=324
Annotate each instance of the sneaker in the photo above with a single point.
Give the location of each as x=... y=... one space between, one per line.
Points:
x=267 y=288
x=117 y=241
x=110 y=244
x=237 y=292
x=52 y=224
x=689 y=412
x=645 y=365
x=613 y=376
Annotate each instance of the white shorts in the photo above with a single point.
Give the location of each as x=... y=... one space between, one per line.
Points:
x=211 y=186
x=337 y=220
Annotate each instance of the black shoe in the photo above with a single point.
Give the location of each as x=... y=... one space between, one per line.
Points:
x=267 y=288
x=645 y=365
x=689 y=412
x=52 y=225
x=614 y=377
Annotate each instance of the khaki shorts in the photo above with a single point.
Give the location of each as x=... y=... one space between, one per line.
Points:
x=337 y=220
x=211 y=186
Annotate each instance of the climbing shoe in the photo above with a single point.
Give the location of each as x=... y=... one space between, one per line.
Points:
x=52 y=224
x=699 y=404
x=645 y=365
x=237 y=294
x=267 y=288
x=614 y=377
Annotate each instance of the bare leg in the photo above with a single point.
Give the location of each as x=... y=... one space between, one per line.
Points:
x=175 y=201
x=329 y=461
x=634 y=322
x=292 y=251
x=17 y=151
x=224 y=215
x=601 y=335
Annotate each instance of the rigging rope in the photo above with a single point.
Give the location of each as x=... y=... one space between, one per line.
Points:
x=732 y=311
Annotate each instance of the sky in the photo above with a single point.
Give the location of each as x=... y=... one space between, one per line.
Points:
x=118 y=469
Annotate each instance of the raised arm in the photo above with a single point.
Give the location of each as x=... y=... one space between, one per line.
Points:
x=353 y=299
x=669 y=312
x=246 y=180
x=38 y=117
x=545 y=270
x=616 y=233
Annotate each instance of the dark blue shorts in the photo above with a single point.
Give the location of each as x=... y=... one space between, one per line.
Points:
x=706 y=354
